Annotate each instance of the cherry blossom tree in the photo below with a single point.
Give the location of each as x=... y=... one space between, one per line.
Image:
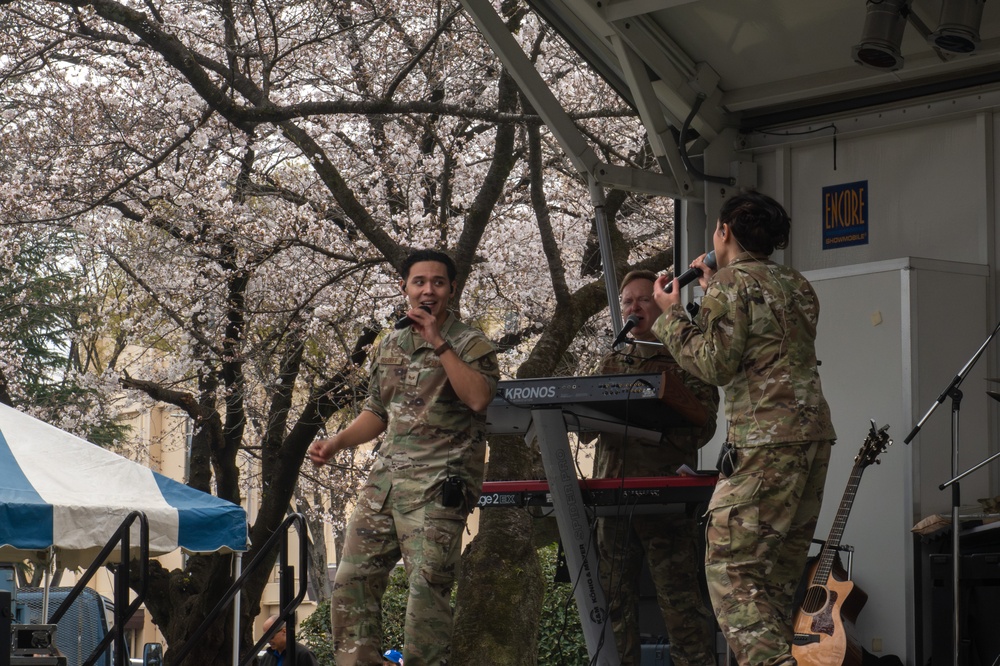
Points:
x=250 y=174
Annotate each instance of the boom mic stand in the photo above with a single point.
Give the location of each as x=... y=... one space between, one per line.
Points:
x=952 y=391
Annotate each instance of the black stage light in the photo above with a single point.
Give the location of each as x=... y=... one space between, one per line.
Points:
x=958 y=29
x=885 y=21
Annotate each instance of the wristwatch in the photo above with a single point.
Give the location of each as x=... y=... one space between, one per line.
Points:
x=445 y=346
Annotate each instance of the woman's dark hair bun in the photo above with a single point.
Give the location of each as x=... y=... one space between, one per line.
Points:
x=758 y=222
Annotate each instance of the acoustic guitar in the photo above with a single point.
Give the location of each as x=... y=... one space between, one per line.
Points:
x=824 y=624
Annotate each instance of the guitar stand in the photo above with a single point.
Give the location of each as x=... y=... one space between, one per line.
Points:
x=842 y=548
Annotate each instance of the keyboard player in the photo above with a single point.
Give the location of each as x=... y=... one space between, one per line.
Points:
x=669 y=542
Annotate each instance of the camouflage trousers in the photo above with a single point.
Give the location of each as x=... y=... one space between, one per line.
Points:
x=429 y=540
x=670 y=544
x=761 y=522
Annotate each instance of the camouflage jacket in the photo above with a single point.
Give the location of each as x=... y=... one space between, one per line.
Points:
x=755 y=334
x=618 y=456
x=430 y=434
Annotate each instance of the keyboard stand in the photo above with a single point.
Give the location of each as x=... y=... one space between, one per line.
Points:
x=549 y=427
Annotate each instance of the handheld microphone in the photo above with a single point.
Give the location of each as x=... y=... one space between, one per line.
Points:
x=406 y=321
x=630 y=323
x=692 y=274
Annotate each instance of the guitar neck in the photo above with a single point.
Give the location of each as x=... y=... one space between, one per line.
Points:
x=875 y=443
x=828 y=553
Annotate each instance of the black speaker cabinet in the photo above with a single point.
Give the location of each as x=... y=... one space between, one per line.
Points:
x=979 y=603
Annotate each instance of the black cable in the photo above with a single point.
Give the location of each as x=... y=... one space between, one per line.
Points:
x=627 y=522
x=682 y=146
x=809 y=131
x=800 y=132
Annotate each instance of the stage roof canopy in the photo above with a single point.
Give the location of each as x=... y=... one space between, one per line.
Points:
x=762 y=63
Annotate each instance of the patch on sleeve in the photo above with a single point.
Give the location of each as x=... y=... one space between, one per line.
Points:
x=476 y=349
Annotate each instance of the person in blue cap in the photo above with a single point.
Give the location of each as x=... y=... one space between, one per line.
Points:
x=393 y=657
x=279 y=648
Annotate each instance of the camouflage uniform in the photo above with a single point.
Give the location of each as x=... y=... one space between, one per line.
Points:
x=669 y=542
x=755 y=334
x=430 y=435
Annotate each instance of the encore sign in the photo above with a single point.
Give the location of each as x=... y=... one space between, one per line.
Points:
x=845 y=215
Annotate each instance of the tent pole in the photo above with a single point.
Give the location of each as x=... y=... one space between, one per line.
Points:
x=238 y=565
x=48 y=583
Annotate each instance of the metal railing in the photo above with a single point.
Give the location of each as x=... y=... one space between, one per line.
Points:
x=288 y=602
x=123 y=581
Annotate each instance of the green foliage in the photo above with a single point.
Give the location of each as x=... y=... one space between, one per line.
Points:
x=394 y=610
x=314 y=631
x=560 y=640
x=46 y=312
x=560 y=636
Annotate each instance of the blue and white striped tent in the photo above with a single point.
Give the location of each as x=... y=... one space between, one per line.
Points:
x=58 y=490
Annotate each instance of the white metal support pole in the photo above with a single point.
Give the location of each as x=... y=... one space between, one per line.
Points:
x=238 y=570
x=48 y=583
x=607 y=257
x=579 y=542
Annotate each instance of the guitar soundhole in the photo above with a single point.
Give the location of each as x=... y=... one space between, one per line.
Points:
x=815 y=599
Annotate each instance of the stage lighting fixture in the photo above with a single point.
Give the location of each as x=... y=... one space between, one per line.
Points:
x=885 y=21
x=958 y=29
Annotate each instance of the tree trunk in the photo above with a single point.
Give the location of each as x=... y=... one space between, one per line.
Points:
x=319 y=580
x=500 y=591
x=180 y=600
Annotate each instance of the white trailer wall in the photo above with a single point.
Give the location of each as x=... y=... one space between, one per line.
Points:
x=930 y=191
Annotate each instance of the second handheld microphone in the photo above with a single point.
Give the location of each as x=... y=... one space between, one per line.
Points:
x=692 y=274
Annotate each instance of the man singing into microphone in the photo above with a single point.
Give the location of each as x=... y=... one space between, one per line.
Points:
x=668 y=542
x=430 y=384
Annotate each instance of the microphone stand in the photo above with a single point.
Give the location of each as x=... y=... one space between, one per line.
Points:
x=952 y=391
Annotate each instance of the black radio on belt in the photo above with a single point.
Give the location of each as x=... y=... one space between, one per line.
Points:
x=452 y=492
x=729 y=458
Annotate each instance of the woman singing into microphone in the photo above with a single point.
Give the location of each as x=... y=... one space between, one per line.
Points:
x=755 y=334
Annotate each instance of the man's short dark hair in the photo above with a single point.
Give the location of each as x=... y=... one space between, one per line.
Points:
x=631 y=276
x=429 y=255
